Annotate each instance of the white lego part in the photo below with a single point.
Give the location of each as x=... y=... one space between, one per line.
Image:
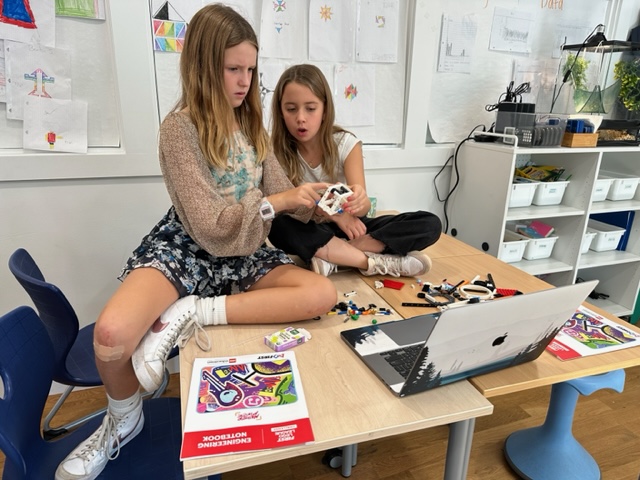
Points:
x=333 y=199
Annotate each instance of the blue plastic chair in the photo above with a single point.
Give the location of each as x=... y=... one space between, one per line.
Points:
x=74 y=360
x=550 y=451
x=26 y=370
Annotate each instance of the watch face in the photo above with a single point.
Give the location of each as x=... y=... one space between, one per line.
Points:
x=266 y=210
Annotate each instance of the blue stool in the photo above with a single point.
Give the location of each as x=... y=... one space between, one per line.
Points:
x=550 y=451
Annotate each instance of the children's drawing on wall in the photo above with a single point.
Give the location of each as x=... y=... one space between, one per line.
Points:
x=377 y=34
x=269 y=72
x=457 y=40
x=279 y=29
x=332 y=30
x=93 y=9
x=55 y=125
x=511 y=31
x=354 y=97
x=169 y=29
x=3 y=76
x=28 y=21
x=35 y=72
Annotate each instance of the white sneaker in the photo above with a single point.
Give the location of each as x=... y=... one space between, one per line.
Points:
x=323 y=267
x=175 y=326
x=412 y=264
x=89 y=458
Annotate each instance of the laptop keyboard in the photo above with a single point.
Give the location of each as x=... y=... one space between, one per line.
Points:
x=402 y=359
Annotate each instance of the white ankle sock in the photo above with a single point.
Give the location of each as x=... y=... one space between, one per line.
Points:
x=119 y=408
x=212 y=310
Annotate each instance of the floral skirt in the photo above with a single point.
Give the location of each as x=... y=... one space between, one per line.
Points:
x=192 y=270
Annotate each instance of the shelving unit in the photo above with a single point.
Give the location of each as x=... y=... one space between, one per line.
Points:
x=478 y=212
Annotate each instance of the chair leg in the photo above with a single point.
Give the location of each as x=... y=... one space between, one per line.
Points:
x=50 y=433
x=163 y=386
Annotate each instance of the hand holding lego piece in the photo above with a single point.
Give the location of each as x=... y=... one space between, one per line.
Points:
x=334 y=198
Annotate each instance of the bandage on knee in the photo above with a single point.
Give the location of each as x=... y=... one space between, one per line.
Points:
x=108 y=354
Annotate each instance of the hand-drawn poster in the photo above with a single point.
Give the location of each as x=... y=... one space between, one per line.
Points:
x=28 y=21
x=511 y=31
x=94 y=9
x=3 y=77
x=377 y=33
x=37 y=72
x=55 y=125
x=332 y=30
x=279 y=29
x=269 y=73
x=457 y=40
x=355 y=101
x=169 y=29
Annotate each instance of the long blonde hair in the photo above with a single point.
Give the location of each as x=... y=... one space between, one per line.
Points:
x=212 y=30
x=285 y=146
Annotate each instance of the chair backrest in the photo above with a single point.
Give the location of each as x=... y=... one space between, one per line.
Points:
x=54 y=309
x=25 y=369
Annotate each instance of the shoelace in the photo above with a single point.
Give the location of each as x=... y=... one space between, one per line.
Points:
x=387 y=265
x=194 y=328
x=100 y=439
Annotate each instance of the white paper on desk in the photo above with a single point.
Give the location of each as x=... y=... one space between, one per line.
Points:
x=55 y=125
x=332 y=30
x=377 y=32
x=35 y=71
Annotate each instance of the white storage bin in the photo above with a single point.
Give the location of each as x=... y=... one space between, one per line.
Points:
x=522 y=191
x=601 y=189
x=623 y=187
x=512 y=247
x=586 y=241
x=550 y=193
x=607 y=236
x=537 y=248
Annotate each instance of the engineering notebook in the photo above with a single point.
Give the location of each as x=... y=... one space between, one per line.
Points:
x=427 y=351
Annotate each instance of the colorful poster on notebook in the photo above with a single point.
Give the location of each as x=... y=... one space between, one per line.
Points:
x=244 y=403
x=588 y=333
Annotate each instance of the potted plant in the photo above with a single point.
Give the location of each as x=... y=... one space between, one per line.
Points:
x=628 y=72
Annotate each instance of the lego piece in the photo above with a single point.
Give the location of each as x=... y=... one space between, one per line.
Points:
x=334 y=198
x=392 y=284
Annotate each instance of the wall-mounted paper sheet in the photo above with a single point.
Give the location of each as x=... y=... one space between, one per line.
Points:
x=278 y=29
x=3 y=76
x=270 y=72
x=93 y=9
x=331 y=30
x=36 y=72
x=355 y=95
x=28 y=21
x=55 y=125
x=457 y=40
x=511 y=31
x=377 y=33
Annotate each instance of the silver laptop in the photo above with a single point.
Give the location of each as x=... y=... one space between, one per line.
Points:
x=427 y=351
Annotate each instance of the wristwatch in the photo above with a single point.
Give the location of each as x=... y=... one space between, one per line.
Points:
x=266 y=210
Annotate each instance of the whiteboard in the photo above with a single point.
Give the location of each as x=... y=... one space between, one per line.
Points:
x=93 y=80
x=389 y=77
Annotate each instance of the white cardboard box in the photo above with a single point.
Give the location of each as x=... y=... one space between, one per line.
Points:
x=607 y=236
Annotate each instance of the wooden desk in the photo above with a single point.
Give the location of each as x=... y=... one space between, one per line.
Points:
x=347 y=403
x=547 y=369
